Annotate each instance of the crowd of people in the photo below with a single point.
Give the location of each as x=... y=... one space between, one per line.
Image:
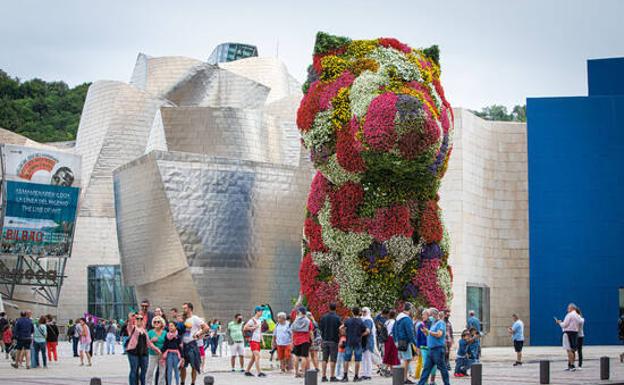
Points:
x=169 y=348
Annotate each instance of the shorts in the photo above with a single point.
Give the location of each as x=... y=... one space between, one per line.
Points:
x=254 y=346
x=518 y=346
x=190 y=352
x=302 y=350
x=330 y=351
x=570 y=340
x=353 y=351
x=237 y=349
x=23 y=343
x=84 y=347
x=283 y=352
x=202 y=351
x=406 y=355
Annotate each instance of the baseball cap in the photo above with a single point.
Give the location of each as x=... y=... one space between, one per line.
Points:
x=258 y=308
x=301 y=309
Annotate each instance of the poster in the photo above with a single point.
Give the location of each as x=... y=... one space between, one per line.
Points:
x=35 y=165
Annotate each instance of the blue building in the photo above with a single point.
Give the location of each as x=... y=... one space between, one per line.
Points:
x=576 y=206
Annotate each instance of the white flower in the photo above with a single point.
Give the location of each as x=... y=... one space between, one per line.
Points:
x=402 y=250
x=364 y=89
x=390 y=57
x=334 y=172
x=321 y=132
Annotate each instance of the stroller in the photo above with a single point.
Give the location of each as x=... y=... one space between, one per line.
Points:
x=10 y=350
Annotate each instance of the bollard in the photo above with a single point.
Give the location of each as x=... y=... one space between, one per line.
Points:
x=604 y=368
x=397 y=375
x=95 y=381
x=476 y=374
x=545 y=372
x=209 y=380
x=311 y=377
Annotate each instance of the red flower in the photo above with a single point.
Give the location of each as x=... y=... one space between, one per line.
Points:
x=426 y=279
x=415 y=143
x=394 y=43
x=312 y=231
x=390 y=221
x=379 y=124
x=430 y=224
x=330 y=90
x=347 y=152
x=318 y=193
x=307 y=275
x=344 y=203
x=309 y=107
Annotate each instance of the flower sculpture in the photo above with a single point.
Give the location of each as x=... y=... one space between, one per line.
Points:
x=378 y=127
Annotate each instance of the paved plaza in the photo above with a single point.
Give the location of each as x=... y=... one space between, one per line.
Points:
x=497 y=370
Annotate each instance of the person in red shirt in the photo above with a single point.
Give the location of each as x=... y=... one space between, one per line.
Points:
x=302 y=330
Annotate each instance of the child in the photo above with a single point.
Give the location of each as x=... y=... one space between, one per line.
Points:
x=475 y=346
x=462 y=363
x=7 y=338
x=342 y=343
x=172 y=353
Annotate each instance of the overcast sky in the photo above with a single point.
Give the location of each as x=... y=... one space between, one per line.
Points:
x=492 y=51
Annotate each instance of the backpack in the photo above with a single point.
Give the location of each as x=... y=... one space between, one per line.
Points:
x=382 y=336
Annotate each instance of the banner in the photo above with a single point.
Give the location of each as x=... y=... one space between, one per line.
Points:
x=35 y=165
x=39 y=219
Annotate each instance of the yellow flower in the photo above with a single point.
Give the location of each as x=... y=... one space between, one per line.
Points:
x=361 y=48
x=341 y=108
x=333 y=66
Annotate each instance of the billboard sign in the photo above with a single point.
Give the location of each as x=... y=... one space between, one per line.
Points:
x=40 y=200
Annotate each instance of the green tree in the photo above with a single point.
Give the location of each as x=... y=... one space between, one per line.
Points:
x=40 y=110
x=499 y=112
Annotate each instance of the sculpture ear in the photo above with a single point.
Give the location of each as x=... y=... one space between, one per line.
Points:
x=326 y=42
x=433 y=53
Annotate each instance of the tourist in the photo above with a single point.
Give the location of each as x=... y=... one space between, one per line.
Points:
x=570 y=327
x=194 y=329
x=302 y=330
x=473 y=322
x=581 y=337
x=317 y=340
x=282 y=339
x=51 y=338
x=39 y=341
x=3 y=324
x=425 y=322
x=157 y=336
x=147 y=313
x=380 y=324
x=621 y=333
x=123 y=335
x=462 y=362
x=254 y=327
x=449 y=338
x=391 y=354
x=403 y=333
x=354 y=330
x=474 y=350
x=436 y=342
x=99 y=337
x=342 y=344
x=137 y=350
x=202 y=344
x=517 y=337
x=7 y=339
x=158 y=312
x=236 y=341
x=330 y=332
x=178 y=319
x=215 y=329
x=111 y=337
x=172 y=353
x=368 y=344
x=84 y=344
x=71 y=336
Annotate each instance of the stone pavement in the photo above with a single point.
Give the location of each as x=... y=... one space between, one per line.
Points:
x=497 y=370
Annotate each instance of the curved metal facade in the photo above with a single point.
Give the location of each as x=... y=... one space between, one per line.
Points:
x=212 y=212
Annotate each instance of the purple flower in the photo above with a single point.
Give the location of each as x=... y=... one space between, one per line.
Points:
x=410 y=290
x=431 y=251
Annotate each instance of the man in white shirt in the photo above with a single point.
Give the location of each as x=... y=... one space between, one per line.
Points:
x=254 y=326
x=570 y=326
x=195 y=328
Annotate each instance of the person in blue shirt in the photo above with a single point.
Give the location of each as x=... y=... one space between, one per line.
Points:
x=474 y=349
x=403 y=335
x=517 y=336
x=462 y=362
x=473 y=322
x=23 y=333
x=436 y=342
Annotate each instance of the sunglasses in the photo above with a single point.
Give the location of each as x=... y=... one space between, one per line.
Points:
x=139 y=318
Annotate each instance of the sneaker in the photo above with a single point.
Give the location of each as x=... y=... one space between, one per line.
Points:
x=333 y=379
x=233 y=370
x=248 y=374
x=345 y=379
x=261 y=374
x=356 y=379
x=324 y=379
x=14 y=365
x=517 y=363
x=408 y=382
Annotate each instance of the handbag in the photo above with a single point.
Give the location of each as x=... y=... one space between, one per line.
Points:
x=402 y=346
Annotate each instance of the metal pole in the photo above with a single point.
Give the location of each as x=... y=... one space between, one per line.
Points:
x=397 y=375
x=476 y=374
x=545 y=372
x=95 y=381
x=311 y=377
x=604 y=368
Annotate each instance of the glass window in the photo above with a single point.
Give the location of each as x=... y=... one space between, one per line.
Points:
x=107 y=297
x=478 y=299
x=621 y=301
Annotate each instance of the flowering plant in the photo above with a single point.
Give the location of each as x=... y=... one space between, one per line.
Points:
x=378 y=127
